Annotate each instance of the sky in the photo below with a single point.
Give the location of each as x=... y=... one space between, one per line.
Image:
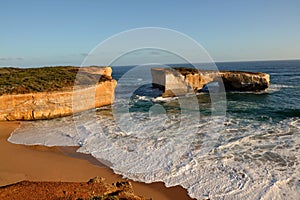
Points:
x=55 y=32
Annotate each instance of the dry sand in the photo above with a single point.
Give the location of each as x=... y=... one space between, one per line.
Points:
x=38 y=163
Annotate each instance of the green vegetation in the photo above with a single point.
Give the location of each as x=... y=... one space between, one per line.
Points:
x=104 y=197
x=20 y=81
x=185 y=71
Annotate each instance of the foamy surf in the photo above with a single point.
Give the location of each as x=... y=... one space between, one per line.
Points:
x=253 y=153
x=249 y=161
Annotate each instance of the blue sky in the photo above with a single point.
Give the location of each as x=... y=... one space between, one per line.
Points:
x=38 y=33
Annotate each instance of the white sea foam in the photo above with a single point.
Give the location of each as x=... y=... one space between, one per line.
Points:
x=277 y=87
x=164 y=99
x=234 y=160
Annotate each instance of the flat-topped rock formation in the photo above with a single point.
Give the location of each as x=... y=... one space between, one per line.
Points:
x=179 y=81
x=51 y=93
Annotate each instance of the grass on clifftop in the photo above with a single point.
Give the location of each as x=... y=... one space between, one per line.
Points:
x=46 y=79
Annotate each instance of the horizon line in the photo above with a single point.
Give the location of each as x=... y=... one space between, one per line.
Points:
x=223 y=61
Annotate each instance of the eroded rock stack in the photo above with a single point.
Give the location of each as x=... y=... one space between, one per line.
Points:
x=179 y=81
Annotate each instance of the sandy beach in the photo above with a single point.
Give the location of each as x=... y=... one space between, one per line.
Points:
x=39 y=163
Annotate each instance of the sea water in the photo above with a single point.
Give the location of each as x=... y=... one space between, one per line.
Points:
x=250 y=151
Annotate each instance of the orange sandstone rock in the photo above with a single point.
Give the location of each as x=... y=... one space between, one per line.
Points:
x=179 y=81
x=47 y=105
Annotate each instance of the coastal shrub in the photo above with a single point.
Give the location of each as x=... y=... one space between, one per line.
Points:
x=45 y=79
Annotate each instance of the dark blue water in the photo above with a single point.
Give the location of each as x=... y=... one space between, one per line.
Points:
x=283 y=99
x=280 y=101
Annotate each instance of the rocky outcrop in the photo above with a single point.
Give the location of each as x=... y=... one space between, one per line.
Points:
x=69 y=190
x=179 y=81
x=106 y=71
x=47 y=105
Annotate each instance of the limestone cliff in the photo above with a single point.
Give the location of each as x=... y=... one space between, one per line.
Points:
x=47 y=105
x=180 y=81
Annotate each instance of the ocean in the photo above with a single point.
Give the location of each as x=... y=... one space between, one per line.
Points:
x=218 y=146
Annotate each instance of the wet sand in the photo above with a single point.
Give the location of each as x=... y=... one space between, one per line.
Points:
x=39 y=163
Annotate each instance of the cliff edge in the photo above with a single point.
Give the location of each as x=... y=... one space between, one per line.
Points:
x=45 y=93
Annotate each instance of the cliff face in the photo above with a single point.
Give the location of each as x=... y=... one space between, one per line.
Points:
x=106 y=71
x=171 y=82
x=182 y=80
x=47 y=105
x=245 y=81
